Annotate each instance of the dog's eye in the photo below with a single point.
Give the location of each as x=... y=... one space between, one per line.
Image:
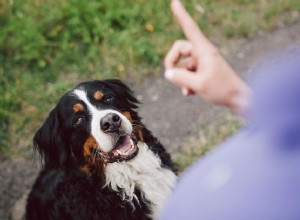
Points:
x=78 y=122
x=108 y=98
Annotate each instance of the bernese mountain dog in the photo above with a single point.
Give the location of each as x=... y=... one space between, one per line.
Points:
x=99 y=160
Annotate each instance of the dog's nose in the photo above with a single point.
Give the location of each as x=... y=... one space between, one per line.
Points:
x=110 y=123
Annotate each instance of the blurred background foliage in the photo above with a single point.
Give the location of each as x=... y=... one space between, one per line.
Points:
x=47 y=46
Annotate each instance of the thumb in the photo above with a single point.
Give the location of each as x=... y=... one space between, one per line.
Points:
x=183 y=78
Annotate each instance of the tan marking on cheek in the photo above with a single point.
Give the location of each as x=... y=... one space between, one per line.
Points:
x=127 y=115
x=88 y=145
x=98 y=95
x=78 y=107
x=86 y=169
x=138 y=131
x=93 y=164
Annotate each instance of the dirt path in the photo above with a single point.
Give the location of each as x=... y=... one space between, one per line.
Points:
x=170 y=116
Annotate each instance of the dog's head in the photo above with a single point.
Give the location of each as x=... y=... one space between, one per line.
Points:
x=94 y=124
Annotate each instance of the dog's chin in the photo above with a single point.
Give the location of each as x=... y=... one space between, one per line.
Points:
x=125 y=149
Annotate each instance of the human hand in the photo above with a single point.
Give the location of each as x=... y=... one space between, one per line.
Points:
x=203 y=70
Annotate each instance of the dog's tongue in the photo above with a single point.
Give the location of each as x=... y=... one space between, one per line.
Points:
x=123 y=145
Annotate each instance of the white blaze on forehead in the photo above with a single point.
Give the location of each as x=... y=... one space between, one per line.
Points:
x=105 y=141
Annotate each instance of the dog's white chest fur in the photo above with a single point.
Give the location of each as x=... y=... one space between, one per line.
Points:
x=145 y=173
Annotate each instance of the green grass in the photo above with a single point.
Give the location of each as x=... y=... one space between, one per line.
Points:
x=48 y=46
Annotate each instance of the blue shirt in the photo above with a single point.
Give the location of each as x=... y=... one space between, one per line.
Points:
x=254 y=175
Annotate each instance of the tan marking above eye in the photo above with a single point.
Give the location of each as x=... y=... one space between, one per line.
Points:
x=98 y=95
x=78 y=107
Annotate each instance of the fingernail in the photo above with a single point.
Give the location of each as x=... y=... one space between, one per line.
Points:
x=169 y=74
x=184 y=91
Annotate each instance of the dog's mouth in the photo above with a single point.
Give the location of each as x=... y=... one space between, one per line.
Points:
x=125 y=149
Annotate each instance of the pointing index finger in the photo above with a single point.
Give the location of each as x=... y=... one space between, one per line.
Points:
x=189 y=26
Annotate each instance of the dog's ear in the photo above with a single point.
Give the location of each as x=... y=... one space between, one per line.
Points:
x=48 y=141
x=123 y=91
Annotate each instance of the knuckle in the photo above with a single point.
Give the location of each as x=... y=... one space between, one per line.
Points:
x=180 y=43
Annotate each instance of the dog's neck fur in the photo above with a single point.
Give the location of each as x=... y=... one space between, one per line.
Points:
x=145 y=173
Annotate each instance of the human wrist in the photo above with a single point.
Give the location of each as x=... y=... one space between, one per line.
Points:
x=239 y=97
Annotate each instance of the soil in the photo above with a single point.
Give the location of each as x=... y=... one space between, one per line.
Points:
x=170 y=116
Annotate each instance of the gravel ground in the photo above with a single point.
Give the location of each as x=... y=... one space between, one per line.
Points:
x=170 y=116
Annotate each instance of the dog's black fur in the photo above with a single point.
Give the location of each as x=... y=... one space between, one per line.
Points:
x=71 y=184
